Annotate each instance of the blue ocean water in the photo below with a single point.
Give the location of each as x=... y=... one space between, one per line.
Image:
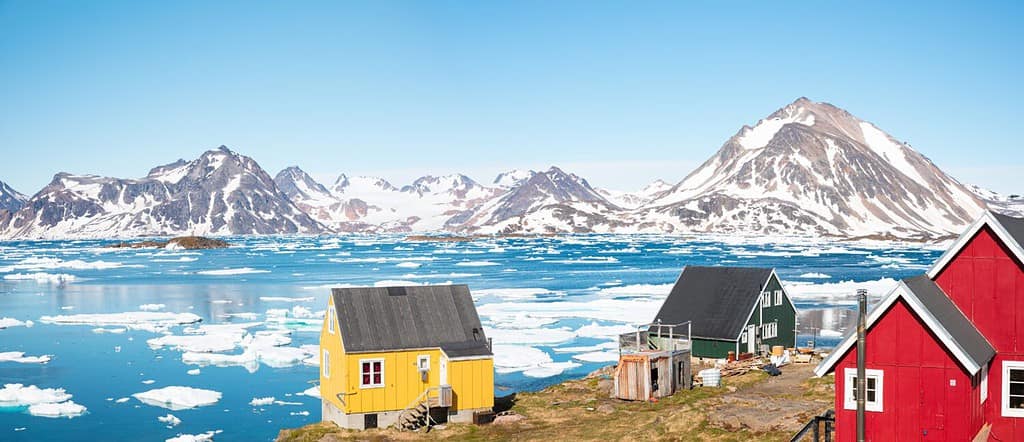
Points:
x=535 y=295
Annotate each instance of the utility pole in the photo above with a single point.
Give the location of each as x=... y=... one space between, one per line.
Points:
x=862 y=307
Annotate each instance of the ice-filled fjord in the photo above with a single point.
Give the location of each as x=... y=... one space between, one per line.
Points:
x=226 y=339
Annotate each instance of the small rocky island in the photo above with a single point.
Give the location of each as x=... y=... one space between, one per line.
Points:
x=181 y=242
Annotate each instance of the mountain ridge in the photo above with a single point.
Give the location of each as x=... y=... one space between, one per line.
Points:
x=808 y=168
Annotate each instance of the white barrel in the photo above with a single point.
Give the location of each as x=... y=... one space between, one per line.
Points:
x=711 y=377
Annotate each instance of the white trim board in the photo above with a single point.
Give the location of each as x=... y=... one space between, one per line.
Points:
x=986 y=219
x=901 y=291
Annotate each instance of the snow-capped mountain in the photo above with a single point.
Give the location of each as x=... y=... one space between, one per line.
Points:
x=545 y=202
x=10 y=199
x=219 y=193
x=632 y=200
x=1012 y=205
x=512 y=178
x=371 y=204
x=812 y=168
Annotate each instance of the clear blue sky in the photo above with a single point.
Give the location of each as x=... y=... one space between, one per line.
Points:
x=619 y=92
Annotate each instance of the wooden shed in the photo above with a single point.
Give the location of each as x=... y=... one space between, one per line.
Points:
x=646 y=375
x=652 y=367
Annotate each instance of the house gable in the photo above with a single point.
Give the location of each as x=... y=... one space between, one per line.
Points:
x=937 y=313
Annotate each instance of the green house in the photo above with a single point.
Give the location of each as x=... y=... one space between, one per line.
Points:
x=738 y=309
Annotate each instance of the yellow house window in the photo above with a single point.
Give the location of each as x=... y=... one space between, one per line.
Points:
x=326 y=364
x=371 y=373
x=330 y=320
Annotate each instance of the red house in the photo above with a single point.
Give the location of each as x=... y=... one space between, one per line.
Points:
x=945 y=350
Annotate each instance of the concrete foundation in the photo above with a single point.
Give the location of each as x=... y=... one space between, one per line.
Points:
x=357 y=421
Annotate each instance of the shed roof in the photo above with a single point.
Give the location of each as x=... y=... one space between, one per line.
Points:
x=396 y=318
x=939 y=314
x=717 y=300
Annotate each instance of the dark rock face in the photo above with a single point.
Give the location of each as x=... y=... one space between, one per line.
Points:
x=221 y=193
x=10 y=199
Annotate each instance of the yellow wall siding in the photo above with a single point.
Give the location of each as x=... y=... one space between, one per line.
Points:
x=329 y=388
x=472 y=383
x=402 y=381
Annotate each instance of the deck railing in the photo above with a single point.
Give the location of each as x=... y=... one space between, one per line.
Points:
x=657 y=337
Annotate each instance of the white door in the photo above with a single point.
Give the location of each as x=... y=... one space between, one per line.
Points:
x=751 y=338
x=443 y=380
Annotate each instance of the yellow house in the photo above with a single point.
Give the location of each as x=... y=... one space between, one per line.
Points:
x=403 y=356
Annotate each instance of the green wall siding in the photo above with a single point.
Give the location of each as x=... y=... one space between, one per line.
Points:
x=784 y=314
x=708 y=348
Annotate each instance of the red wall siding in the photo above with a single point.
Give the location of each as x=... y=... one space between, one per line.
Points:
x=987 y=282
x=917 y=395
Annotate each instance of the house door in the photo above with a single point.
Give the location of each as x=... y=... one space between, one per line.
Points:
x=443 y=379
x=751 y=338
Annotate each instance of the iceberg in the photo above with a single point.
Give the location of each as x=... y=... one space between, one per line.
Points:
x=178 y=398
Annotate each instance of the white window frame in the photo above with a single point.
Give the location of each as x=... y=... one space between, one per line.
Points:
x=770 y=330
x=371 y=384
x=326 y=364
x=778 y=297
x=766 y=300
x=1006 y=410
x=420 y=362
x=850 y=400
x=743 y=337
x=330 y=319
x=984 y=384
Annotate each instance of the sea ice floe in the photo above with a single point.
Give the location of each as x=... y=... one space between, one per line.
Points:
x=476 y=263
x=171 y=420
x=408 y=265
x=285 y=299
x=178 y=398
x=313 y=391
x=594 y=330
x=530 y=335
x=203 y=437
x=814 y=275
x=843 y=292
x=67 y=409
x=261 y=401
x=148 y=321
x=514 y=358
x=549 y=369
x=521 y=320
x=18 y=356
x=45 y=402
x=587 y=348
x=597 y=356
x=513 y=293
x=637 y=290
x=227 y=272
x=34 y=263
x=193 y=372
x=41 y=277
x=151 y=307
x=598 y=309
x=11 y=322
x=100 y=330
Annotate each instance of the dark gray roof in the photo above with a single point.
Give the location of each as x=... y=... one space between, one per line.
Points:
x=393 y=318
x=951 y=318
x=1013 y=226
x=718 y=300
